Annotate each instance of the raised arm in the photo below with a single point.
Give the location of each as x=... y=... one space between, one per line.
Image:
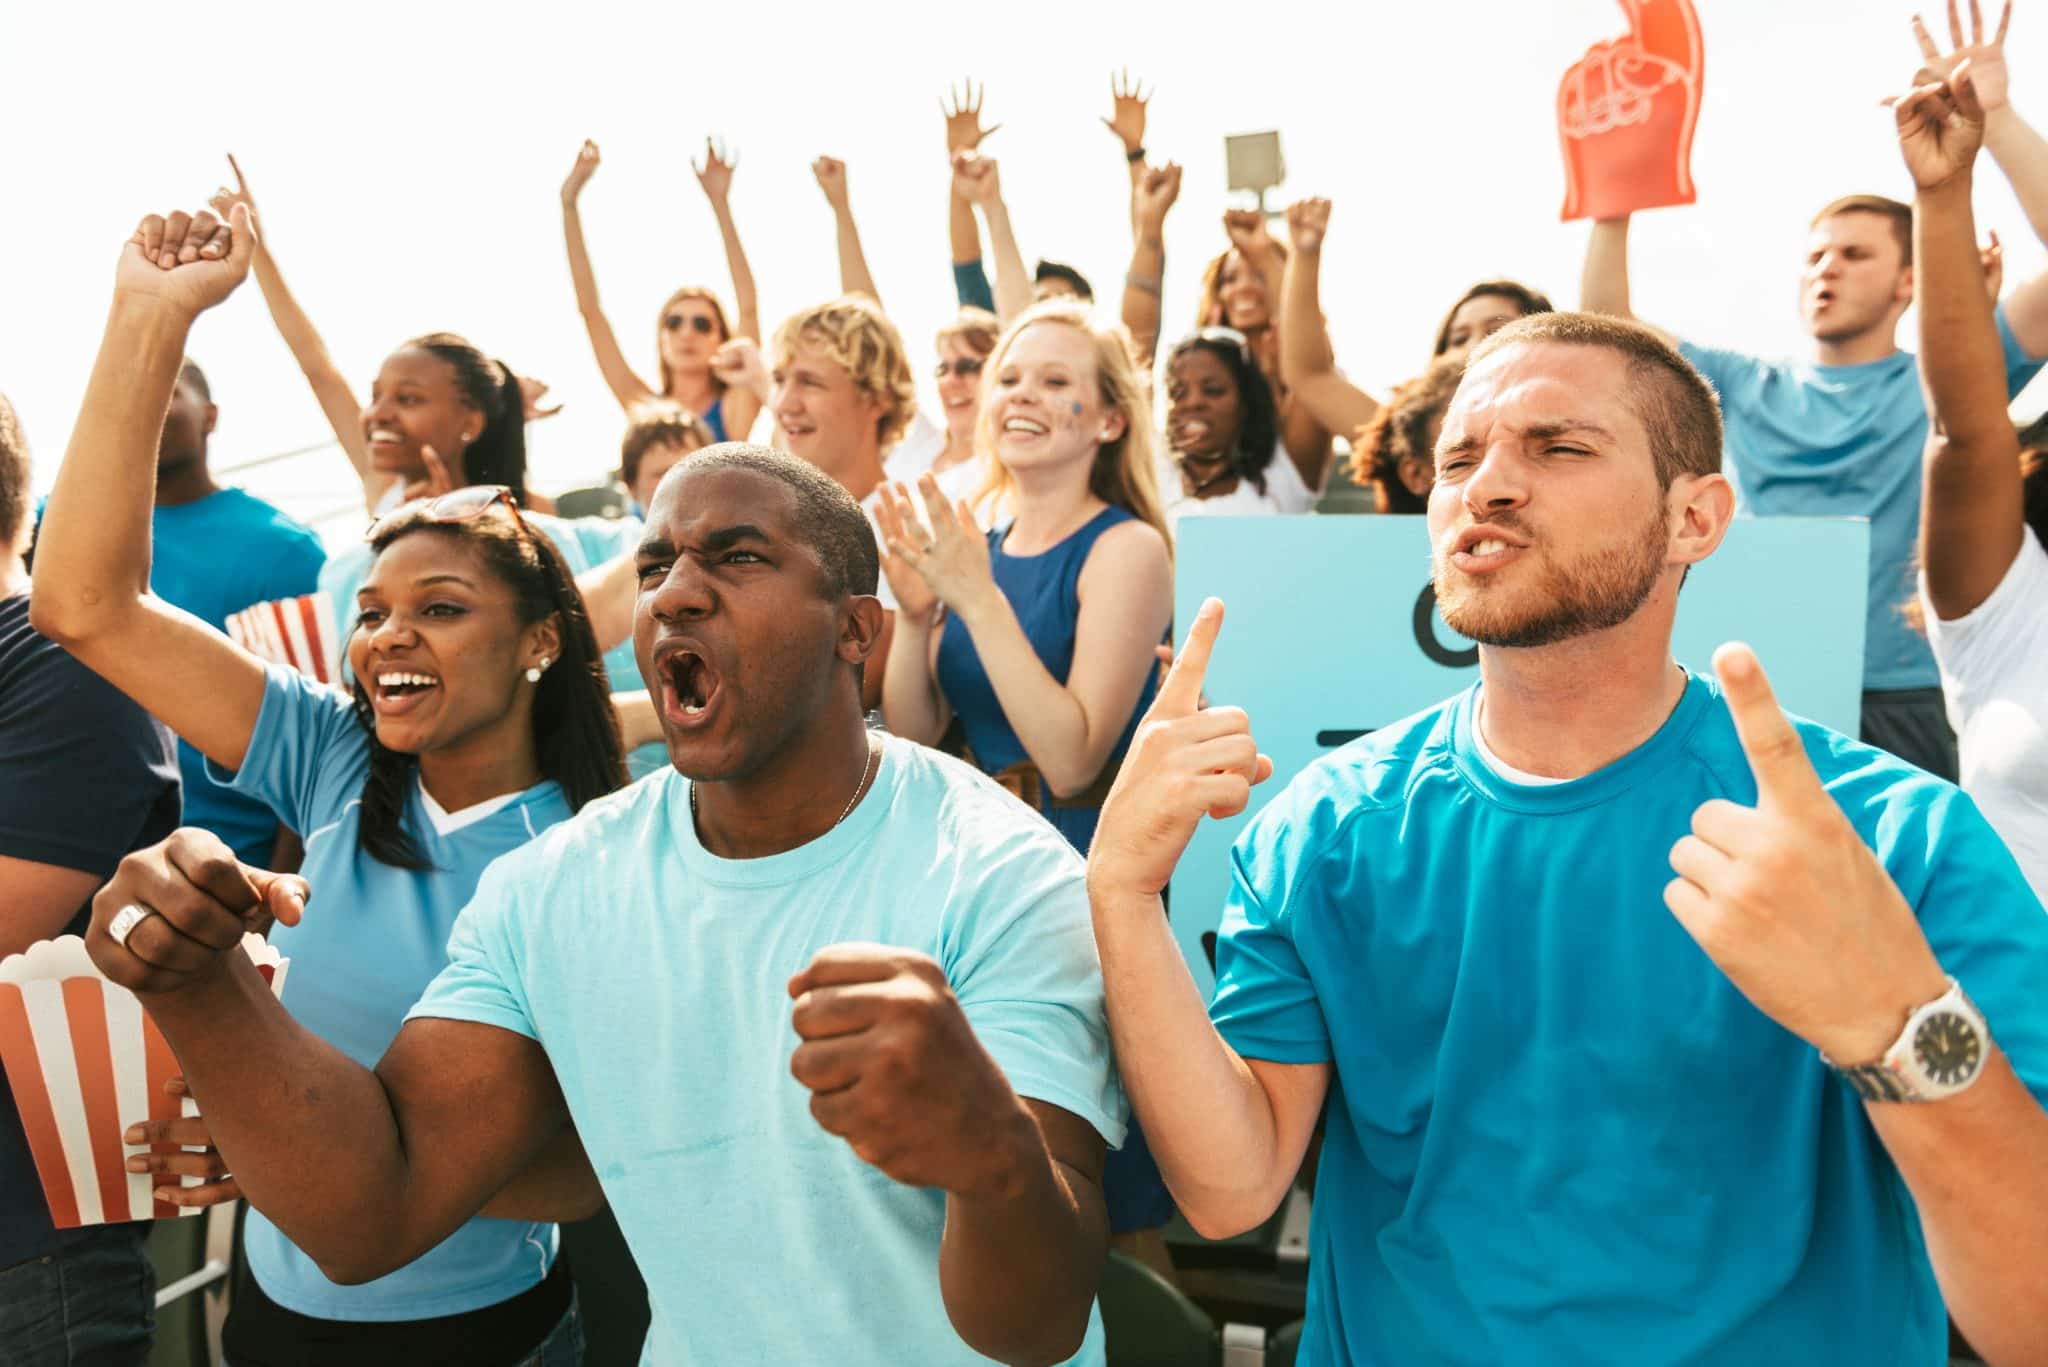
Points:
x=1128 y=100
x=627 y=387
x=975 y=179
x=962 y=111
x=2020 y=151
x=1306 y=358
x=854 y=277
x=91 y=586
x=1603 y=280
x=1229 y=1132
x=741 y=405
x=338 y=403
x=1145 y=280
x=363 y=1171
x=1972 y=517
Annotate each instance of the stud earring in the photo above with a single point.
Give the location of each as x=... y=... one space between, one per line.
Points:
x=533 y=673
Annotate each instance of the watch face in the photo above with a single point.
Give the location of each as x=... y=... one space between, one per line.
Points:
x=1947 y=1048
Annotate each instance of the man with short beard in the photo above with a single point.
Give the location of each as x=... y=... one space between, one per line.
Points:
x=1838 y=432
x=1581 y=1110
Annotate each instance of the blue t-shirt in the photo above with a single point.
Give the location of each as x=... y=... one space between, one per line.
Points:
x=655 y=974
x=1557 y=1133
x=373 y=937
x=1844 y=441
x=214 y=557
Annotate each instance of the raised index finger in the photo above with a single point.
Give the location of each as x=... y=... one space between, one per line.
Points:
x=1784 y=775
x=1181 y=692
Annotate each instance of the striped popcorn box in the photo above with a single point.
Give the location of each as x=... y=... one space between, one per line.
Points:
x=299 y=632
x=85 y=1062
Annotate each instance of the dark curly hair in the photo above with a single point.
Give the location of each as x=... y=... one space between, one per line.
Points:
x=1400 y=432
x=2034 y=476
x=575 y=730
x=1258 y=436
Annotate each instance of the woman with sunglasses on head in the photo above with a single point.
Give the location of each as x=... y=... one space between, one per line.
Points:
x=478 y=719
x=696 y=370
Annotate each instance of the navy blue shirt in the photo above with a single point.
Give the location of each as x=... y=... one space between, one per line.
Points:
x=85 y=777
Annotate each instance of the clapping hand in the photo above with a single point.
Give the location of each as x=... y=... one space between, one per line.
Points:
x=715 y=175
x=1788 y=901
x=1128 y=99
x=1187 y=761
x=580 y=173
x=738 y=365
x=962 y=109
x=945 y=562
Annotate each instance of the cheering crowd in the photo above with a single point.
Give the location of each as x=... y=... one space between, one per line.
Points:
x=779 y=870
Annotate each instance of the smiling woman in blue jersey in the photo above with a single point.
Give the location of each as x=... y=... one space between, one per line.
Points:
x=478 y=718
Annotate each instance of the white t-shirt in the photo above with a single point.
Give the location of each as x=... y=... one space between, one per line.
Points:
x=1285 y=491
x=917 y=450
x=1994 y=670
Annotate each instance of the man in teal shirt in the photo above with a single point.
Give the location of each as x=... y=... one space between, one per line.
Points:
x=1839 y=432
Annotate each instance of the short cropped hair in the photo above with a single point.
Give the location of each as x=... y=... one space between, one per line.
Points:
x=1900 y=216
x=189 y=373
x=1676 y=405
x=857 y=335
x=659 y=425
x=827 y=518
x=13 y=476
x=1053 y=270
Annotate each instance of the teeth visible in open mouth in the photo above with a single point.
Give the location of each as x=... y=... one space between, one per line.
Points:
x=1490 y=546
x=1024 y=425
x=399 y=679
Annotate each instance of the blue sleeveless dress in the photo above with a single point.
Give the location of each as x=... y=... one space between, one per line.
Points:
x=1043 y=591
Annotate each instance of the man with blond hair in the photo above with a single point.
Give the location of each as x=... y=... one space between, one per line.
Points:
x=842 y=395
x=1581 y=1110
x=1839 y=431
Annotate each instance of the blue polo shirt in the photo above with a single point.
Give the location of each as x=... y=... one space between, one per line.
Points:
x=372 y=938
x=1557 y=1133
x=1844 y=441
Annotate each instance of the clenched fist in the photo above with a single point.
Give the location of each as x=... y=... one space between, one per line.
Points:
x=173 y=913
x=894 y=1069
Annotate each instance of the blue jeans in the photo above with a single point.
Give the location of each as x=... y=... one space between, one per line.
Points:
x=89 y=1304
x=564 y=1346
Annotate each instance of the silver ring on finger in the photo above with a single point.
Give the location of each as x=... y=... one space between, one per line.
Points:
x=124 y=922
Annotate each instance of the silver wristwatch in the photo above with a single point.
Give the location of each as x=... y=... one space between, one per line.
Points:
x=1941 y=1051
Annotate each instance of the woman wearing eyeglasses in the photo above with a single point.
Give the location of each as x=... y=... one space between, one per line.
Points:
x=691 y=332
x=948 y=451
x=479 y=718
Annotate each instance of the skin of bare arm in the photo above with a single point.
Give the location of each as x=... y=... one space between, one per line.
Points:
x=1154 y=196
x=854 y=276
x=1306 y=357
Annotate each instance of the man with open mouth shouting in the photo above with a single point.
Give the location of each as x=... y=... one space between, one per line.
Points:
x=797 y=897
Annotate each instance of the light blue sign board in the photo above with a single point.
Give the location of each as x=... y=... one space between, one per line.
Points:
x=1325 y=617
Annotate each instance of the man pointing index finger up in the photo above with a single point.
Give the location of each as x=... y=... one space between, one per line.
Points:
x=1555 y=1122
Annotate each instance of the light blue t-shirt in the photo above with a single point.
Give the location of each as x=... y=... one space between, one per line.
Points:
x=655 y=974
x=1844 y=441
x=372 y=938
x=1557 y=1133
x=212 y=557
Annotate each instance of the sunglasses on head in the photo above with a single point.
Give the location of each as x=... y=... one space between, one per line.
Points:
x=460 y=505
x=1229 y=337
x=697 y=321
x=964 y=366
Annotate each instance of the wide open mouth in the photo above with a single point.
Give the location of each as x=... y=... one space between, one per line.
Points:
x=690 y=684
x=394 y=692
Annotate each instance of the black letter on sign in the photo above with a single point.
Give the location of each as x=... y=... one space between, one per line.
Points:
x=1425 y=635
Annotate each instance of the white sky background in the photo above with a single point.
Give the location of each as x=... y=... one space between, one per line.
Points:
x=406 y=159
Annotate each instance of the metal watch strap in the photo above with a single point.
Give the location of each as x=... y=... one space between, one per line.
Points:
x=1875 y=1082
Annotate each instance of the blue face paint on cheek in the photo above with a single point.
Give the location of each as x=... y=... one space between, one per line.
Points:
x=1077 y=409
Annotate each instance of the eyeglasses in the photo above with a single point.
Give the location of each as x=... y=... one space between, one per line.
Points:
x=698 y=322
x=461 y=505
x=966 y=367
